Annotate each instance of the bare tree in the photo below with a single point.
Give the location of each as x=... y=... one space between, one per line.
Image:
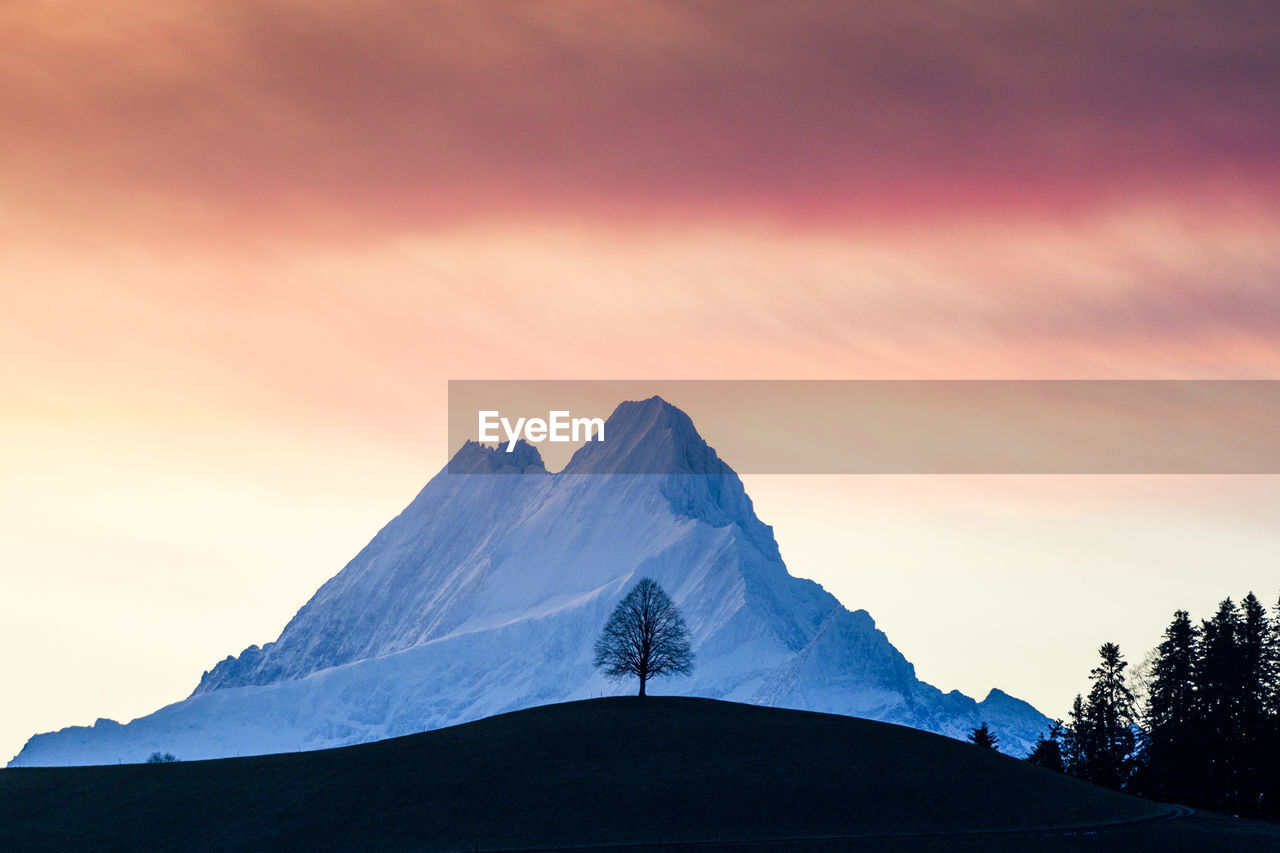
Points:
x=645 y=637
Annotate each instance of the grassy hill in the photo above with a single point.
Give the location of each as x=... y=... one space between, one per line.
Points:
x=683 y=773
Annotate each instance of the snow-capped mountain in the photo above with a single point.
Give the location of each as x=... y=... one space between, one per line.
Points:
x=486 y=594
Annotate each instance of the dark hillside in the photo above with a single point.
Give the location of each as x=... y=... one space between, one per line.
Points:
x=605 y=772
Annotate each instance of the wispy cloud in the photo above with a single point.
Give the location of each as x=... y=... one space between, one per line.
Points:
x=266 y=114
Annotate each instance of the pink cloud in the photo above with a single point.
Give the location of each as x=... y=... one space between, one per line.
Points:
x=396 y=113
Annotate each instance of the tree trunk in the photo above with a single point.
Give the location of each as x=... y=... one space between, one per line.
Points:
x=642 y=684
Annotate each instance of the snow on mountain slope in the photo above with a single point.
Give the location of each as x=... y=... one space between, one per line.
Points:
x=486 y=593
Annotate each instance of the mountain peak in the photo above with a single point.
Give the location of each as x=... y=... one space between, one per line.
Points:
x=647 y=437
x=486 y=593
x=476 y=458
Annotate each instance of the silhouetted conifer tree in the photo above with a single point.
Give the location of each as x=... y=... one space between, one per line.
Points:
x=1255 y=726
x=983 y=736
x=1108 y=740
x=1073 y=757
x=1211 y=715
x=1047 y=752
x=1270 y=806
x=1219 y=691
x=1273 y=649
x=1172 y=720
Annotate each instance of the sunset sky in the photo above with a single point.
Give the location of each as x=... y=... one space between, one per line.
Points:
x=243 y=247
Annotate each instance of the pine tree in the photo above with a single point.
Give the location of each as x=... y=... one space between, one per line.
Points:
x=1219 y=671
x=1270 y=806
x=1171 y=715
x=1047 y=752
x=1255 y=647
x=1109 y=716
x=1219 y=688
x=1211 y=709
x=1273 y=655
x=984 y=737
x=1073 y=754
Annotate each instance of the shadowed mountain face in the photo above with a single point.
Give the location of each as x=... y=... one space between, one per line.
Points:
x=486 y=594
